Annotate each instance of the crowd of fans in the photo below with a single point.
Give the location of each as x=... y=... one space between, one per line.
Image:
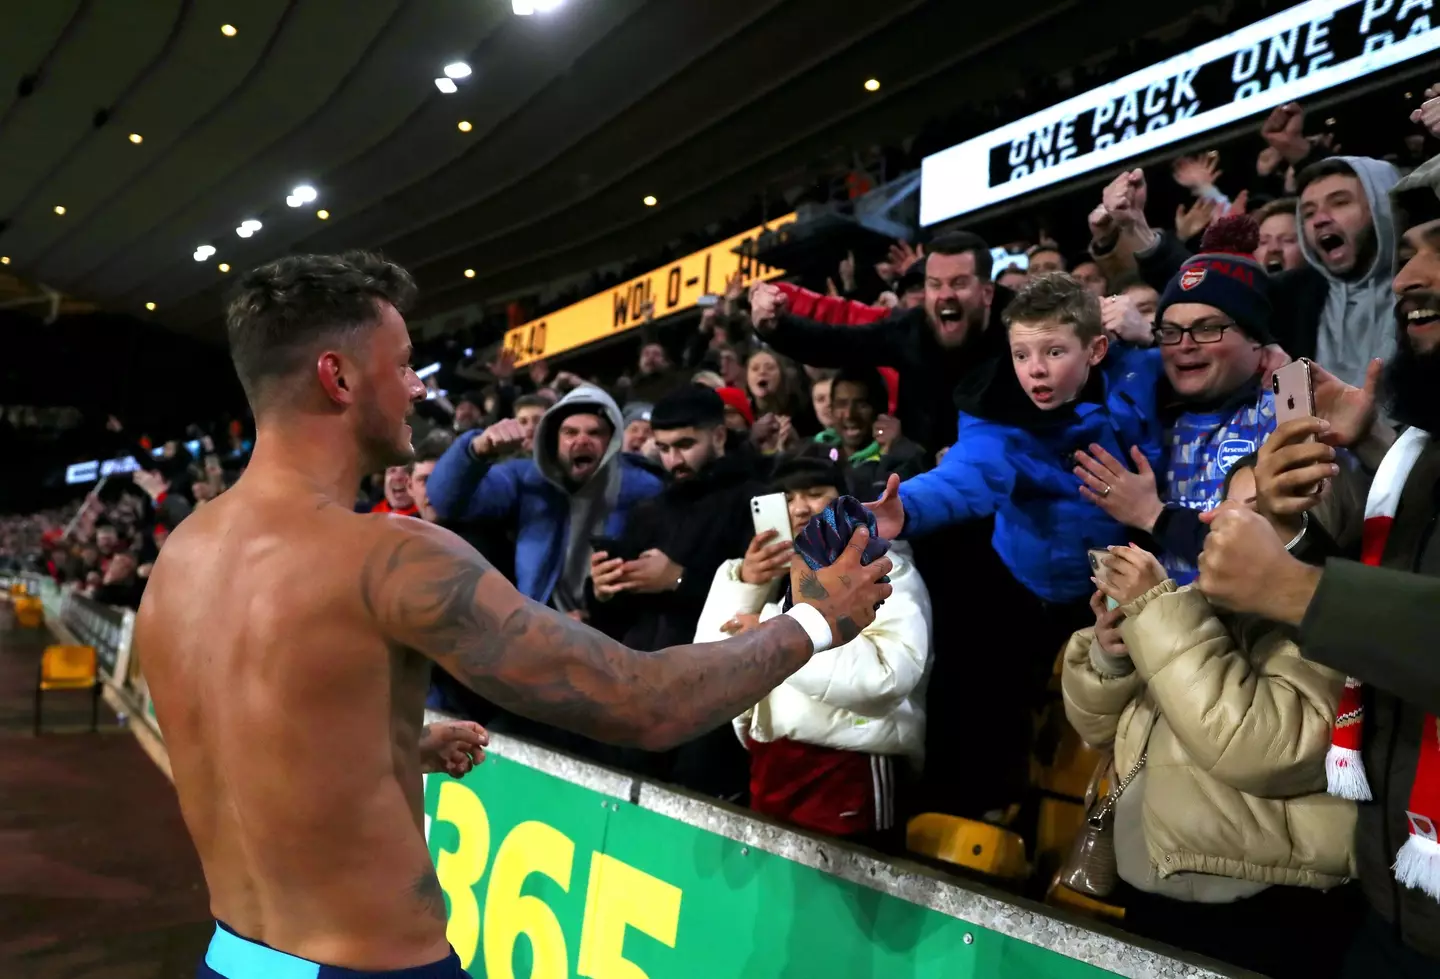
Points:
x=1082 y=455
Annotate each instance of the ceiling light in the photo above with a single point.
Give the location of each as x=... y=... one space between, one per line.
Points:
x=523 y=7
x=150 y=306
x=323 y=214
x=650 y=200
x=872 y=85
x=464 y=126
x=224 y=266
x=447 y=86
x=305 y=192
x=59 y=208
x=545 y=6
x=248 y=228
x=203 y=252
x=469 y=273
x=228 y=30
x=4 y=259
x=136 y=138
x=457 y=69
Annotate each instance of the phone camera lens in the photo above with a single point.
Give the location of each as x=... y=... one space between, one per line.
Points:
x=1274 y=383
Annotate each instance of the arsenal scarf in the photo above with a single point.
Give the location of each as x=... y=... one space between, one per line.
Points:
x=1417 y=864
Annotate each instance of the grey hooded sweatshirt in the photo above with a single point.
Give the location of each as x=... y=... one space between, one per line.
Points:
x=593 y=500
x=1358 y=320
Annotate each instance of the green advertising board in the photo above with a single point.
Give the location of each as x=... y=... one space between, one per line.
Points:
x=546 y=879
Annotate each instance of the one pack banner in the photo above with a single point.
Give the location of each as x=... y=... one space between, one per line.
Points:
x=1306 y=49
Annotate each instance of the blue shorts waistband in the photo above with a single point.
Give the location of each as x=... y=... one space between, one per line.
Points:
x=232 y=956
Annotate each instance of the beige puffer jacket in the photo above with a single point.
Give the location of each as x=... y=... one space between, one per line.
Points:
x=1235 y=780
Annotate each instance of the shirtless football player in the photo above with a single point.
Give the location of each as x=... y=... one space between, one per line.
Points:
x=287 y=642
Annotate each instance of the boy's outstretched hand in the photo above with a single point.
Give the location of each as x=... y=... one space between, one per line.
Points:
x=889 y=511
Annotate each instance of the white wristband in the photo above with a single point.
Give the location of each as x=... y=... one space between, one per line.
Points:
x=812 y=620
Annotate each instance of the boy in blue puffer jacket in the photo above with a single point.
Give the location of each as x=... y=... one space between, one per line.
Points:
x=1014 y=454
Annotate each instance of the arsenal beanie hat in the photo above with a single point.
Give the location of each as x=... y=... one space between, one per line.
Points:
x=1225 y=275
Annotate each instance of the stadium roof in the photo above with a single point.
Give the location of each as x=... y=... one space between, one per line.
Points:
x=159 y=133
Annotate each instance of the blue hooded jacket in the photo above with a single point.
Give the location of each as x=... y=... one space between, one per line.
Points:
x=532 y=494
x=1016 y=462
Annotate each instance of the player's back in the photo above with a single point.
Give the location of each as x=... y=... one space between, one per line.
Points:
x=292 y=730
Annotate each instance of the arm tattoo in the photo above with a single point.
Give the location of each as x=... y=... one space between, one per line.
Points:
x=848 y=629
x=429 y=591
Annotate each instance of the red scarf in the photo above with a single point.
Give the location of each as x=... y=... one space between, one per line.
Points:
x=1418 y=862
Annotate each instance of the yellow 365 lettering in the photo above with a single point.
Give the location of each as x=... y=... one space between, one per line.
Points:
x=530 y=848
x=461 y=869
x=620 y=897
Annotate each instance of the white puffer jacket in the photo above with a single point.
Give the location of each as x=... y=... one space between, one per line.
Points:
x=868 y=695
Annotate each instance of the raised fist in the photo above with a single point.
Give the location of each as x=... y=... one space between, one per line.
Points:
x=767 y=302
x=498 y=438
x=1124 y=198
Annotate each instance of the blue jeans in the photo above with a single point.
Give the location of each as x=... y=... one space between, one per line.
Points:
x=233 y=957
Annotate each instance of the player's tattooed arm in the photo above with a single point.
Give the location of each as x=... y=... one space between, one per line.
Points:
x=433 y=593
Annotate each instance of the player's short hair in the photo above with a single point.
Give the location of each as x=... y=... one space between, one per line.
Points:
x=284 y=312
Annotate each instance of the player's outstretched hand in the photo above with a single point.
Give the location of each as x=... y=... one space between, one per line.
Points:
x=847 y=592
x=452 y=747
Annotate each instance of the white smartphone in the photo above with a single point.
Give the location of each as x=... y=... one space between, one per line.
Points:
x=770 y=512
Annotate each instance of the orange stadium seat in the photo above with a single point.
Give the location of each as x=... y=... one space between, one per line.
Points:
x=69 y=668
x=29 y=612
x=969 y=843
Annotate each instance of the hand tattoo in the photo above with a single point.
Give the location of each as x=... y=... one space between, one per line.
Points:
x=811 y=588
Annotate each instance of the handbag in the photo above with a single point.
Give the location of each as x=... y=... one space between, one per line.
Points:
x=1090 y=868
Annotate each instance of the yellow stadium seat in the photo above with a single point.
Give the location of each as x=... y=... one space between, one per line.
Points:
x=69 y=668
x=29 y=612
x=968 y=843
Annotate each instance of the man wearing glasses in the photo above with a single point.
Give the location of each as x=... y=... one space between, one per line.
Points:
x=1212 y=328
